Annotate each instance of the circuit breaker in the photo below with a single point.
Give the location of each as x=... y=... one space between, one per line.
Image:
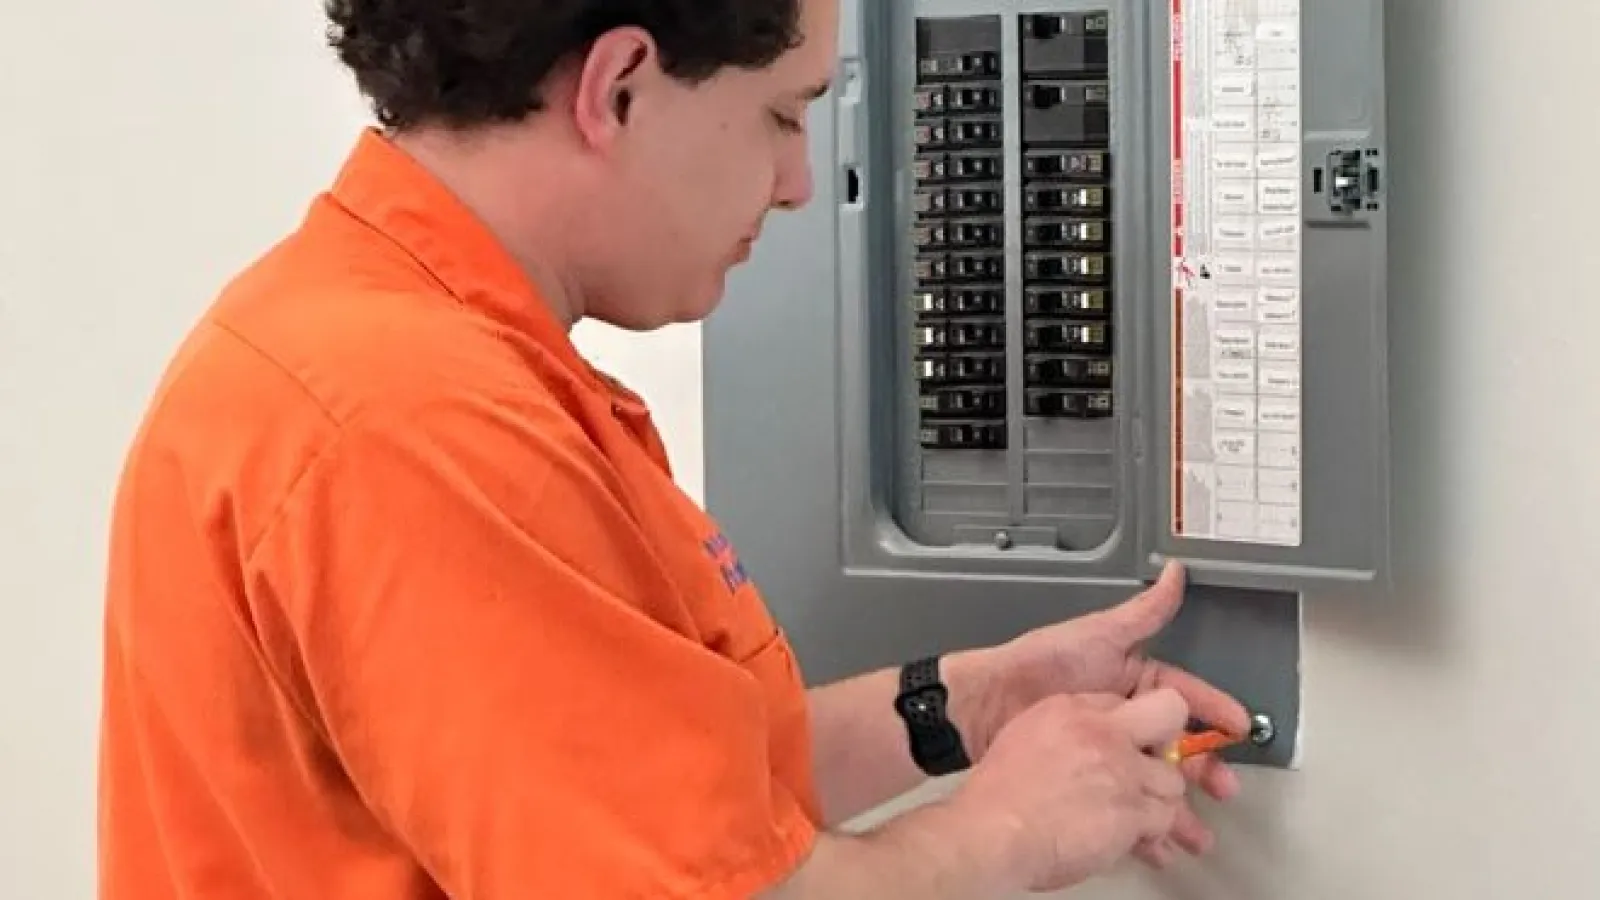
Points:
x=1087 y=286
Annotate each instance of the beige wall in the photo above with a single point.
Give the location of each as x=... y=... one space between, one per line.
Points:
x=115 y=233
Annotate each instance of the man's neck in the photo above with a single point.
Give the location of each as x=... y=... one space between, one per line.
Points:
x=524 y=219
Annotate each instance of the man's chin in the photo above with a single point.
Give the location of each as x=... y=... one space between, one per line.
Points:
x=696 y=314
x=700 y=308
x=686 y=312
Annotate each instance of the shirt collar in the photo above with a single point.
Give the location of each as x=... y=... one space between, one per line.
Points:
x=391 y=192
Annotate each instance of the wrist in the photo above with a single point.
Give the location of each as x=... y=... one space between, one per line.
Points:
x=949 y=849
x=989 y=842
x=977 y=701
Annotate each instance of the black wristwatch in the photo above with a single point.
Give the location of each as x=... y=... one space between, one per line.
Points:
x=923 y=703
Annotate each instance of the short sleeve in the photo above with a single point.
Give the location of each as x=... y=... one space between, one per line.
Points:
x=507 y=673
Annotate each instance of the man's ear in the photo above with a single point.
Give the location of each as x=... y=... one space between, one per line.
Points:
x=617 y=68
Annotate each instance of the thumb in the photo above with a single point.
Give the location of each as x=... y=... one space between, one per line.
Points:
x=1152 y=610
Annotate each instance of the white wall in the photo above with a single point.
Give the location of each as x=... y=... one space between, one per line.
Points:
x=1451 y=728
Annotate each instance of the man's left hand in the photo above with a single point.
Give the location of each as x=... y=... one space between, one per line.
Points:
x=1102 y=653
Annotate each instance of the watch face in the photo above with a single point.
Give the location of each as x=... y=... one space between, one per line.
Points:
x=925 y=707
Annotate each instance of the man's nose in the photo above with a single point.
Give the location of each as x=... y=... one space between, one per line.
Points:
x=795 y=185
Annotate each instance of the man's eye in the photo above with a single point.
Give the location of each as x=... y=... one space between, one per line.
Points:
x=787 y=122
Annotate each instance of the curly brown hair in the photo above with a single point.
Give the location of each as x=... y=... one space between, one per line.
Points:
x=463 y=63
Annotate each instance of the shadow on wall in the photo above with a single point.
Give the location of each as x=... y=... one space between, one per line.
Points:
x=1410 y=619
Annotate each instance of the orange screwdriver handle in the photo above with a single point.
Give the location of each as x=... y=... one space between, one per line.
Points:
x=1197 y=744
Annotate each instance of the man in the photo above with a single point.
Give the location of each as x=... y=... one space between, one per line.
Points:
x=403 y=601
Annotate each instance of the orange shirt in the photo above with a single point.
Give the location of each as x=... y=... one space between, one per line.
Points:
x=404 y=602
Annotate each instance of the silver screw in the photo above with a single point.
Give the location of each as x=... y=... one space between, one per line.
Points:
x=1262 y=731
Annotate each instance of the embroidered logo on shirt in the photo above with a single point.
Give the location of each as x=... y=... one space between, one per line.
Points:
x=721 y=551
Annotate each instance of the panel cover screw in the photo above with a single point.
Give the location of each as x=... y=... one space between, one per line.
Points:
x=1262 y=731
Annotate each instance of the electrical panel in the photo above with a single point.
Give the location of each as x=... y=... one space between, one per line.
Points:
x=1093 y=237
x=1087 y=286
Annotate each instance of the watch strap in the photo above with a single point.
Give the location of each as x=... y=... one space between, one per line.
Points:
x=923 y=704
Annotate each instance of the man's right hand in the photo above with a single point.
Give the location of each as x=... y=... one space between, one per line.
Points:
x=1066 y=791
x=1072 y=785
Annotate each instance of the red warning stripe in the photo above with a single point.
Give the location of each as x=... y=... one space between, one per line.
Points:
x=1177 y=254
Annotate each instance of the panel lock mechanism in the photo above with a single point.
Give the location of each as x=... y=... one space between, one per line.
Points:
x=1351 y=180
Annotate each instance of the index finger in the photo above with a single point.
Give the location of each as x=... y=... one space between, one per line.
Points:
x=1206 y=703
x=1153 y=719
x=1101 y=702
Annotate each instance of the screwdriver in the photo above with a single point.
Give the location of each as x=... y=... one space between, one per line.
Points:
x=1212 y=740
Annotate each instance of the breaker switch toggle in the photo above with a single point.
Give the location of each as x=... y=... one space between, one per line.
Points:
x=977 y=301
x=1043 y=27
x=1069 y=404
x=959 y=234
x=1047 y=96
x=961 y=301
x=1071 y=337
x=962 y=336
x=974 y=99
x=1085 y=198
x=963 y=200
x=1086 y=302
x=1069 y=372
x=1066 y=164
x=957 y=65
x=1068 y=233
x=975 y=132
x=978 y=167
x=1085 y=266
x=962 y=369
x=964 y=436
x=964 y=402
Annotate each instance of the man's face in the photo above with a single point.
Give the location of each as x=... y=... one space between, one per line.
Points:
x=695 y=170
